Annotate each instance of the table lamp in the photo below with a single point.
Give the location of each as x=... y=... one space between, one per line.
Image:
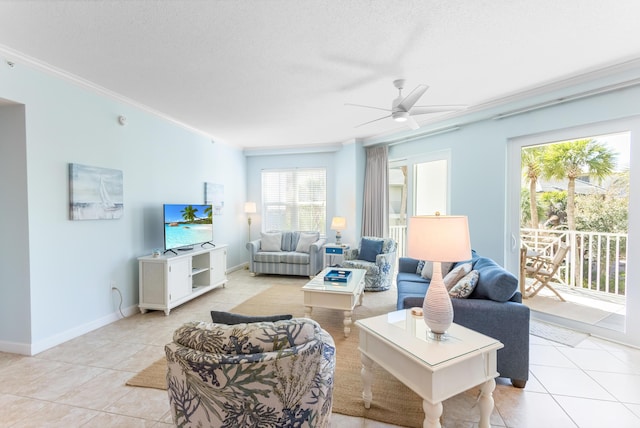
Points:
x=338 y=224
x=249 y=208
x=438 y=239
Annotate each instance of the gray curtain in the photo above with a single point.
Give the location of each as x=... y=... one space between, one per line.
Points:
x=375 y=209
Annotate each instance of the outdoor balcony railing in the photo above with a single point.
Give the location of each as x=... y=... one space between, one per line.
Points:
x=595 y=261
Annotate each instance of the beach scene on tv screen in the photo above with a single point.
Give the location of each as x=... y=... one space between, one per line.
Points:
x=186 y=225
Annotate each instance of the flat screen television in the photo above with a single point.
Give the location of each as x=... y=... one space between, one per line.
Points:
x=186 y=225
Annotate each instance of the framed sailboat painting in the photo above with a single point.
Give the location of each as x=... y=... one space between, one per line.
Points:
x=94 y=193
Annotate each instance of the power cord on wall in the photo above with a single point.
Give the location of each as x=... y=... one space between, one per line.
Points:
x=119 y=304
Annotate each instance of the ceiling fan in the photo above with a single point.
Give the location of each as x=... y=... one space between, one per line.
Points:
x=403 y=108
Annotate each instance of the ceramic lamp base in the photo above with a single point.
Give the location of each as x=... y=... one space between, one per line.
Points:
x=437 y=307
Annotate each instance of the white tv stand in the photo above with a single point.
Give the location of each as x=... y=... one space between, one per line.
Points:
x=169 y=280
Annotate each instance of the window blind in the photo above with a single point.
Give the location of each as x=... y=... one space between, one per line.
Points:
x=294 y=199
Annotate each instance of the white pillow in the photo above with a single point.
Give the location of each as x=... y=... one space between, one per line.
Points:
x=427 y=270
x=305 y=241
x=270 y=241
x=456 y=275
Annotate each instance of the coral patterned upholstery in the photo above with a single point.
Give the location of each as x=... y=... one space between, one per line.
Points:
x=264 y=374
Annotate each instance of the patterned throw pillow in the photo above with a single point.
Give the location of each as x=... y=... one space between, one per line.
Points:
x=456 y=275
x=420 y=267
x=465 y=286
x=270 y=241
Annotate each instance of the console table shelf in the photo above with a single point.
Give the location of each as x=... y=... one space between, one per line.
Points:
x=170 y=280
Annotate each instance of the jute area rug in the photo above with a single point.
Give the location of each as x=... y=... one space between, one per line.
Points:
x=392 y=402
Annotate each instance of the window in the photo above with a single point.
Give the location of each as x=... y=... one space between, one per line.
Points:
x=294 y=199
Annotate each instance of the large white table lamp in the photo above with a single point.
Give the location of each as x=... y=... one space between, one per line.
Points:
x=438 y=239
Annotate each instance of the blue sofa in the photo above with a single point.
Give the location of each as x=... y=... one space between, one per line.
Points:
x=494 y=308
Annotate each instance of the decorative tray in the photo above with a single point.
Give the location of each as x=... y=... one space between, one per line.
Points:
x=337 y=275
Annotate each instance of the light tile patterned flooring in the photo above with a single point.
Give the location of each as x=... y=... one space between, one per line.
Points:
x=82 y=382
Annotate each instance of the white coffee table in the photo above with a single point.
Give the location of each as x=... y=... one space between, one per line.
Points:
x=343 y=296
x=435 y=370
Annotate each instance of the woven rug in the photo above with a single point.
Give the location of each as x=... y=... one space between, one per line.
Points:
x=556 y=333
x=392 y=403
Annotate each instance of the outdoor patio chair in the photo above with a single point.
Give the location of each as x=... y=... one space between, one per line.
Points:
x=544 y=271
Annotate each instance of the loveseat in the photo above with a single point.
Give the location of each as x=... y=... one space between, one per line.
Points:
x=286 y=253
x=493 y=308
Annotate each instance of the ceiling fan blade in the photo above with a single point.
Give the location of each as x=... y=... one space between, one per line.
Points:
x=371 y=121
x=411 y=123
x=412 y=98
x=435 y=109
x=360 y=105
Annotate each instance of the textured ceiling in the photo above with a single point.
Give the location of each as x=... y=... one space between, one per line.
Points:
x=277 y=73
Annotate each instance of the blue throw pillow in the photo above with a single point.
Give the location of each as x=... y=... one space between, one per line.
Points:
x=369 y=249
x=494 y=282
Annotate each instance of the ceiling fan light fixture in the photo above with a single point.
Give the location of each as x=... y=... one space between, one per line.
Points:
x=400 y=116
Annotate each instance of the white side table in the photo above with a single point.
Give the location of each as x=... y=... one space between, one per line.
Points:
x=334 y=254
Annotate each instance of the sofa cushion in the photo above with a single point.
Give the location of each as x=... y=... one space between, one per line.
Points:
x=295 y=258
x=369 y=249
x=456 y=274
x=305 y=240
x=289 y=241
x=231 y=318
x=410 y=276
x=465 y=286
x=269 y=257
x=427 y=270
x=494 y=282
x=271 y=241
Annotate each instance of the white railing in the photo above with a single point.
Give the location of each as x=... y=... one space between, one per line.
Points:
x=595 y=261
x=399 y=234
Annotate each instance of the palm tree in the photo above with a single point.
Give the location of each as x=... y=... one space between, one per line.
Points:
x=531 y=160
x=209 y=212
x=189 y=213
x=573 y=159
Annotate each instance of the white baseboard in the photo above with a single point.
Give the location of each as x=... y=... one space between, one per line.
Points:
x=50 y=342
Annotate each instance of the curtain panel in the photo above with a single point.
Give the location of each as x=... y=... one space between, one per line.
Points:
x=375 y=208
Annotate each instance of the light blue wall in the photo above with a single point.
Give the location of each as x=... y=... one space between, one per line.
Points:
x=66 y=290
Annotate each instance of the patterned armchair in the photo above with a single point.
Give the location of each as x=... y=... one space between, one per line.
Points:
x=378 y=257
x=258 y=374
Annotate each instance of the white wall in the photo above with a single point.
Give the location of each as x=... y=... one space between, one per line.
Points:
x=66 y=290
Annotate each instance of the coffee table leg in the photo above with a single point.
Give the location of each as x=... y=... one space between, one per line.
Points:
x=307 y=311
x=347 y=323
x=367 y=379
x=432 y=414
x=486 y=402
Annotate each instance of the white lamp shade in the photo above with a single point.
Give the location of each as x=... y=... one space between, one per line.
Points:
x=338 y=223
x=439 y=238
x=250 y=207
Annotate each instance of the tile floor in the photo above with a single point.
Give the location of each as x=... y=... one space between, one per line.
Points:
x=82 y=382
